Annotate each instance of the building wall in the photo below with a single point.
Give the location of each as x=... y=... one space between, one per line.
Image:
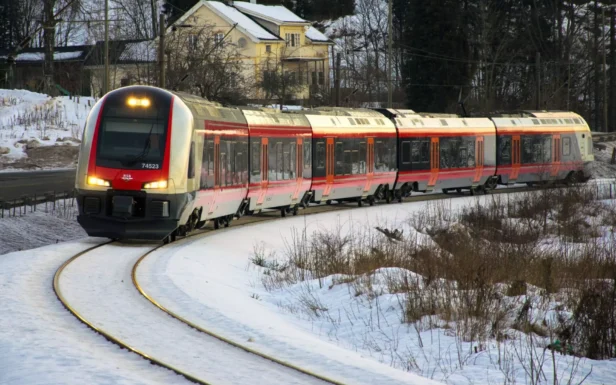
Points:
x=121 y=75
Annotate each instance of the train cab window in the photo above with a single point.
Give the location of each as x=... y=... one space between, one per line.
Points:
x=406 y=152
x=566 y=146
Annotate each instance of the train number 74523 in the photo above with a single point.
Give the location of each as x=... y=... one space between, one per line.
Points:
x=150 y=166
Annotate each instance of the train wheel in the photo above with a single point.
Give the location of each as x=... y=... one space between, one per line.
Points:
x=459 y=190
x=200 y=224
x=216 y=223
x=360 y=203
x=445 y=191
x=388 y=196
x=371 y=201
x=228 y=220
x=295 y=210
x=283 y=212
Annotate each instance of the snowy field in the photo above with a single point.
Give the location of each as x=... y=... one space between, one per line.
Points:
x=31 y=121
x=212 y=281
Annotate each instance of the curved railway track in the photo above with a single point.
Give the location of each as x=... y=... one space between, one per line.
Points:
x=243 y=221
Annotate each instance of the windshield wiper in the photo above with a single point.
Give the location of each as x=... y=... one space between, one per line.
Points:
x=144 y=152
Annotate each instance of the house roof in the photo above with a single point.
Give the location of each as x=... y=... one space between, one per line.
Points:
x=316 y=36
x=234 y=17
x=276 y=14
x=61 y=54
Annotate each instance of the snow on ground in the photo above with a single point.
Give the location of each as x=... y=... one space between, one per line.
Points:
x=213 y=283
x=30 y=120
x=24 y=228
x=42 y=343
x=601 y=167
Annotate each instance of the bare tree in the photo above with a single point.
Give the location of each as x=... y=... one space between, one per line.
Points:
x=276 y=82
x=208 y=64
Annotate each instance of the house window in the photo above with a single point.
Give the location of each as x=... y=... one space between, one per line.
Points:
x=321 y=78
x=268 y=48
x=314 y=78
x=241 y=42
x=292 y=39
x=193 y=41
x=218 y=37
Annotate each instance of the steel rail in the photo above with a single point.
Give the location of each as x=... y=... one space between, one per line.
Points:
x=117 y=341
x=314 y=210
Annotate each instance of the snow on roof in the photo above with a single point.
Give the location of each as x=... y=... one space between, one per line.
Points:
x=40 y=56
x=144 y=51
x=243 y=22
x=277 y=13
x=315 y=35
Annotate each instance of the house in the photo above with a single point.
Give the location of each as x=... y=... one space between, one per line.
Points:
x=270 y=38
x=26 y=71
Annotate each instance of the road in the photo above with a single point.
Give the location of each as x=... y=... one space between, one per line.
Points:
x=14 y=185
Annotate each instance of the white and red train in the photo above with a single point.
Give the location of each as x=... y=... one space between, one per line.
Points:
x=155 y=164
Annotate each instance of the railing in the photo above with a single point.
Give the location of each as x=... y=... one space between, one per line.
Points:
x=29 y=204
x=599 y=137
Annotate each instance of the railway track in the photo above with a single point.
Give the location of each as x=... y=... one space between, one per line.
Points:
x=156 y=306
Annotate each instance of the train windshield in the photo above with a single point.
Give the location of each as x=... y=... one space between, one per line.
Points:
x=132 y=139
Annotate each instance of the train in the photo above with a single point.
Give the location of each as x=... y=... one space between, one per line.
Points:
x=155 y=164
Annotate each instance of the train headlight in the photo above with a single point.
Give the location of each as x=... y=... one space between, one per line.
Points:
x=156 y=185
x=137 y=102
x=98 y=182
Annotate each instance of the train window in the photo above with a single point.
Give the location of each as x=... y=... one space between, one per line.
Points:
x=566 y=146
x=339 y=157
x=307 y=158
x=255 y=155
x=577 y=121
x=355 y=168
x=292 y=160
x=504 y=150
x=444 y=122
x=352 y=121
x=286 y=161
x=406 y=152
x=415 y=151
x=191 y=161
x=320 y=155
x=271 y=159
x=536 y=121
x=279 y=161
x=362 y=156
x=547 y=149
x=333 y=121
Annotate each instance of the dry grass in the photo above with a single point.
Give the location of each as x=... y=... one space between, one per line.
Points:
x=483 y=268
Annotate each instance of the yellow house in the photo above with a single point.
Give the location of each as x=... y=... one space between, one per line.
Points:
x=269 y=38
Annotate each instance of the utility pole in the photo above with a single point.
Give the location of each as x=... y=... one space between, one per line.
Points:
x=154 y=27
x=604 y=73
x=161 y=51
x=337 y=82
x=612 y=99
x=106 y=53
x=49 y=36
x=389 y=44
x=538 y=75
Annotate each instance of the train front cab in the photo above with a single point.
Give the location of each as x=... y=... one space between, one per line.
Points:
x=132 y=176
x=354 y=155
x=443 y=152
x=539 y=147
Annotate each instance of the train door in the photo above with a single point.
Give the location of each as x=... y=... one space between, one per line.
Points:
x=217 y=174
x=434 y=162
x=479 y=157
x=369 y=164
x=515 y=158
x=329 y=166
x=299 y=162
x=264 y=171
x=556 y=155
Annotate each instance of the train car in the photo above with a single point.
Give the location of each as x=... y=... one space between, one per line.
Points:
x=136 y=175
x=354 y=154
x=443 y=151
x=221 y=157
x=280 y=160
x=537 y=147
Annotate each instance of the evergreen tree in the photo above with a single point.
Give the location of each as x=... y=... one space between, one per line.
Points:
x=436 y=53
x=10 y=27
